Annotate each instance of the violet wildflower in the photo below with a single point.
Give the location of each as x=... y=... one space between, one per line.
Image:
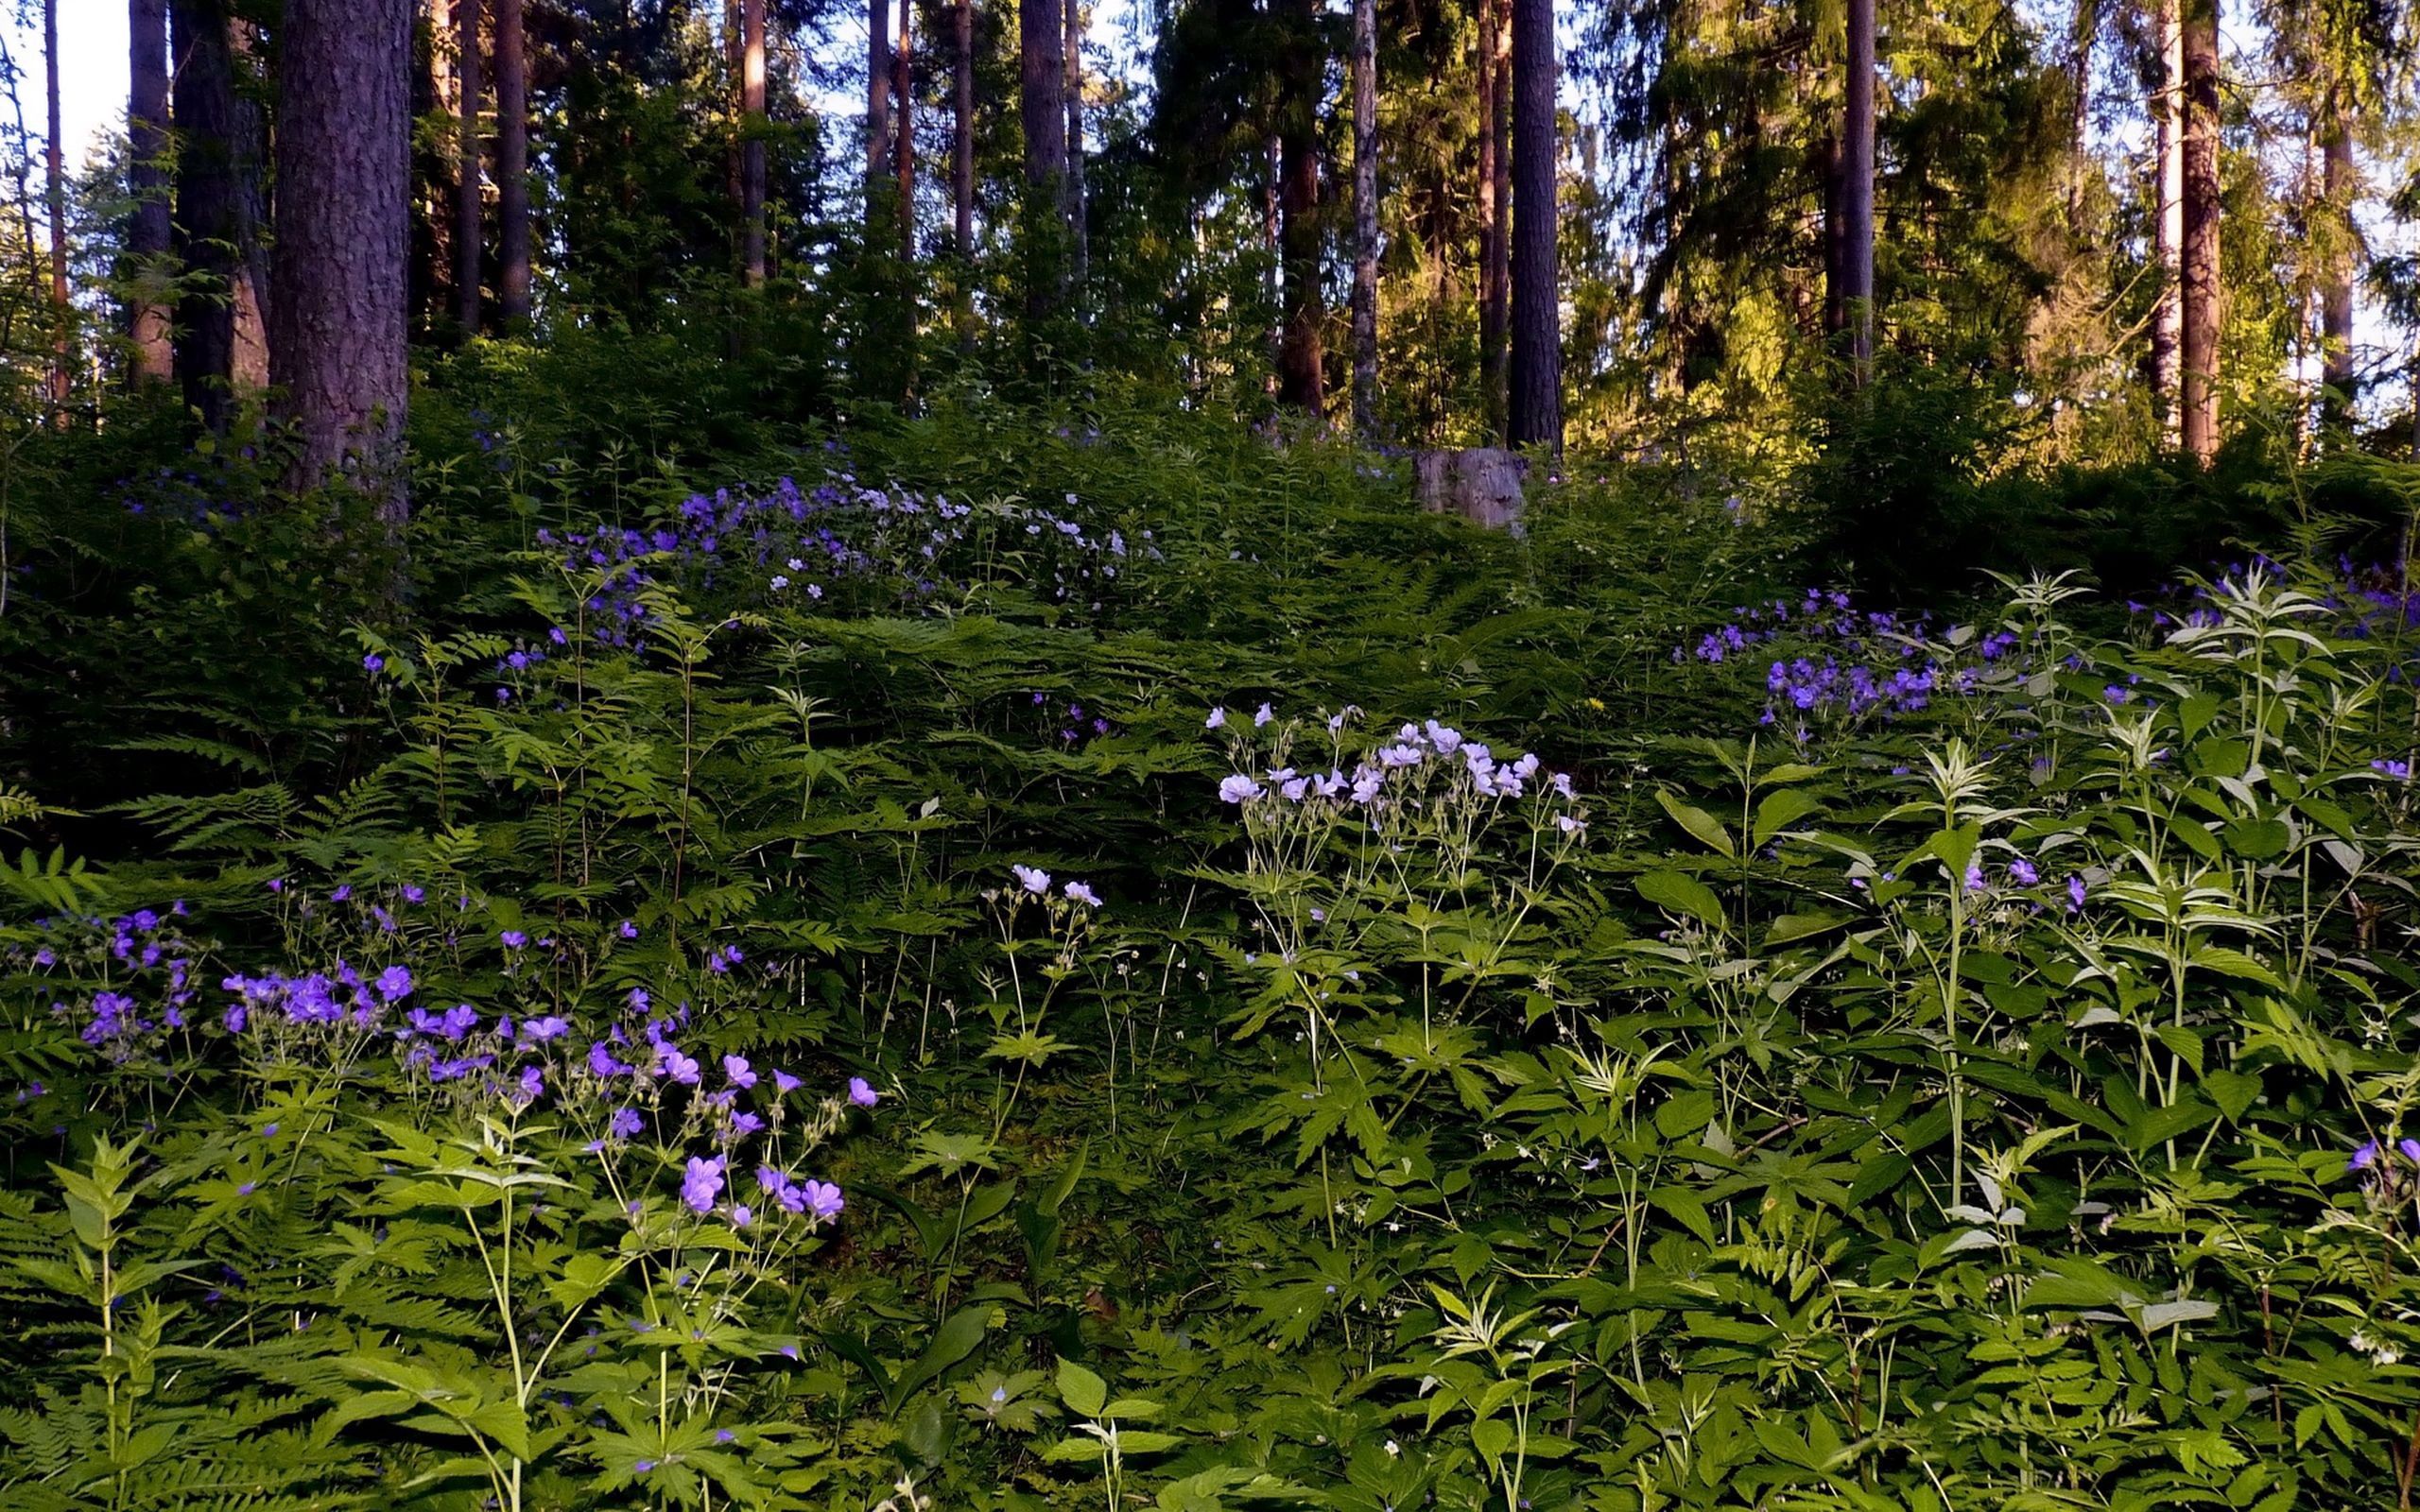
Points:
x=2021 y=873
x=703 y=1182
x=1217 y=721
x=861 y=1093
x=1081 y=892
x=1239 y=789
x=737 y=1069
x=1032 y=879
x=513 y=940
x=678 y=1067
x=394 y=982
x=629 y=930
x=374 y=664
x=625 y=1122
x=1262 y=715
x=823 y=1198
x=783 y=1082
x=2075 y=894
x=2410 y=1149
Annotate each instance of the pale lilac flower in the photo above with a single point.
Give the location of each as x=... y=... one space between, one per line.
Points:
x=737 y=1069
x=1032 y=879
x=704 y=1183
x=823 y=1198
x=1217 y=719
x=862 y=1093
x=1082 y=892
x=1262 y=715
x=1239 y=789
x=784 y=1083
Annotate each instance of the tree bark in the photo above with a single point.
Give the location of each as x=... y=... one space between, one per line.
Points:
x=961 y=166
x=1535 y=412
x=1042 y=76
x=903 y=88
x=343 y=177
x=1857 y=149
x=63 y=313
x=1078 y=241
x=2083 y=26
x=467 y=205
x=2199 y=325
x=1494 y=204
x=511 y=166
x=1365 y=216
x=2340 y=179
x=877 y=103
x=2167 y=241
x=149 y=231
x=751 y=145
x=1300 y=379
x=222 y=349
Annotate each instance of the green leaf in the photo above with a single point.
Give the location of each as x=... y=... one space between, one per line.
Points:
x=1682 y=894
x=1084 y=1392
x=1704 y=826
x=1779 y=811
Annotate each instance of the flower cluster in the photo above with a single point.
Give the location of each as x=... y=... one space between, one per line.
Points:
x=1415 y=751
x=135 y=974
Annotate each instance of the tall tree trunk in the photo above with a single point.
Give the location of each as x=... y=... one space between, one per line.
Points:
x=2083 y=26
x=1301 y=359
x=467 y=206
x=148 y=233
x=343 y=178
x=2167 y=241
x=877 y=104
x=2339 y=180
x=752 y=147
x=1495 y=203
x=1535 y=411
x=903 y=88
x=511 y=166
x=1272 y=222
x=1857 y=149
x=63 y=313
x=1078 y=241
x=221 y=346
x=2199 y=346
x=735 y=68
x=1365 y=216
x=962 y=165
x=1042 y=77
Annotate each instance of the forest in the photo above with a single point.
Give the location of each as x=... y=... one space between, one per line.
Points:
x=1380 y=755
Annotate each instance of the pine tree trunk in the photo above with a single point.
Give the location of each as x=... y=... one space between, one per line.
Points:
x=63 y=313
x=877 y=104
x=961 y=165
x=511 y=166
x=343 y=178
x=1365 y=216
x=903 y=88
x=1078 y=243
x=1535 y=392
x=467 y=205
x=1857 y=151
x=1494 y=204
x=752 y=147
x=2340 y=180
x=221 y=346
x=2083 y=26
x=2199 y=326
x=2168 y=397
x=149 y=230
x=1301 y=360
x=1042 y=76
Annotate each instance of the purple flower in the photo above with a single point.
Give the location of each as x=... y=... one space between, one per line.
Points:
x=2410 y=1149
x=2387 y=767
x=539 y=1030
x=1081 y=892
x=736 y=1068
x=1262 y=715
x=514 y=939
x=783 y=1082
x=1032 y=879
x=2075 y=894
x=678 y=1067
x=862 y=1093
x=2365 y=1157
x=703 y=1182
x=2022 y=873
x=1239 y=789
x=394 y=982
x=624 y=1124
x=630 y=930
x=413 y=893
x=1217 y=719
x=373 y=663
x=823 y=1198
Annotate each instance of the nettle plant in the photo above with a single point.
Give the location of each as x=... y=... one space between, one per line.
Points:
x=548 y=1247
x=1982 y=1127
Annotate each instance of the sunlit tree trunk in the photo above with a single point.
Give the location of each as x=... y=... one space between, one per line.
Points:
x=222 y=348
x=1301 y=380
x=1495 y=203
x=148 y=229
x=511 y=165
x=903 y=88
x=878 y=164
x=1535 y=411
x=961 y=166
x=1365 y=216
x=467 y=205
x=2168 y=224
x=2340 y=181
x=751 y=148
x=1078 y=241
x=343 y=178
x=2199 y=323
x=1857 y=149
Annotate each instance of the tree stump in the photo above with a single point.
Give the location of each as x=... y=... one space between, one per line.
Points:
x=1482 y=484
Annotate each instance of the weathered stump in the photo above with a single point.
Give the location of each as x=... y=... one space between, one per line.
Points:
x=1482 y=484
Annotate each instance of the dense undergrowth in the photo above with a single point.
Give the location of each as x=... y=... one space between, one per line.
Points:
x=1103 y=959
